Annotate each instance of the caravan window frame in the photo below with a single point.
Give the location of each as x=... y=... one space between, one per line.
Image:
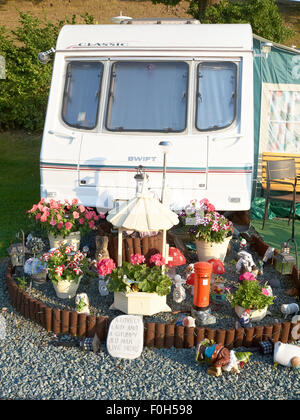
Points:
x=236 y=101
x=96 y=120
x=149 y=60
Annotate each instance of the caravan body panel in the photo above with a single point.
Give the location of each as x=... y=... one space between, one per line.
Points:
x=177 y=73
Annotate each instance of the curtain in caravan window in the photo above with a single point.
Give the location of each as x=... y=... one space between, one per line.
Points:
x=148 y=96
x=216 y=95
x=81 y=94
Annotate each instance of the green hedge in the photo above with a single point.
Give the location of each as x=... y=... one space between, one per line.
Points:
x=24 y=91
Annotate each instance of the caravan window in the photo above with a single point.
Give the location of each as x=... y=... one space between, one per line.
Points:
x=216 y=95
x=148 y=96
x=81 y=94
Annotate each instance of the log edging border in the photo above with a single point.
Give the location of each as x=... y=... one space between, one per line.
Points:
x=157 y=335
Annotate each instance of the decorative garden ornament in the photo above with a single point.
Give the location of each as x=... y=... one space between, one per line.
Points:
x=102 y=286
x=82 y=303
x=179 y=292
x=289 y=309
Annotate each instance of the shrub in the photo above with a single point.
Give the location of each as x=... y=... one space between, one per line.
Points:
x=24 y=92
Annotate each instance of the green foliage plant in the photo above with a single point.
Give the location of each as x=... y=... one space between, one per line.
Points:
x=139 y=277
x=251 y=295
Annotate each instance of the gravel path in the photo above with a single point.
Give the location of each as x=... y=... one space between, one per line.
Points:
x=32 y=368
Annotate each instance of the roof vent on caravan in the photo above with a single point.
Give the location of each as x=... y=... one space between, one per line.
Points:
x=126 y=20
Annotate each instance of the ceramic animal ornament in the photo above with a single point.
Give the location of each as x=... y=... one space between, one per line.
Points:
x=101 y=248
x=82 y=303
x=245 y=263
x=179 y=292
x=289 y=308
x=102 y=287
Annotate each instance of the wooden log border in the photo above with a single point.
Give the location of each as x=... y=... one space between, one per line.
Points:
x=158 y=335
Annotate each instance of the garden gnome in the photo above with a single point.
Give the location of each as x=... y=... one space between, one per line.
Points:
x=218 y=356
x=244 y=320
x=179 y=291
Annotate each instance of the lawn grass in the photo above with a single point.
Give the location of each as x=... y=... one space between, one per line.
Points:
x=19 y=183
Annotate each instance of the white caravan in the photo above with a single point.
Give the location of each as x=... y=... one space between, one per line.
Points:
x=117 y=91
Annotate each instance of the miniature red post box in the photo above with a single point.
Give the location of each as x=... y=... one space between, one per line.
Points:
x=203 y=272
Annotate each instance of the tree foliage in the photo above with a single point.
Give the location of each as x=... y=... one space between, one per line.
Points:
x=24 y=91
x=263 y=15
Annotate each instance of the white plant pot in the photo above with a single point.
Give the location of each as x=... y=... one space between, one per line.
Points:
x=140 y=303
x=72 y=239
x=66 y=289
x=255 y=314
x=208 y=250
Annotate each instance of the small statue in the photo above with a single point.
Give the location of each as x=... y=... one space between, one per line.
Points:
x=82 y=303
x=101 y=248
x=179 y=292
x=220 y=358
x=244 y=320
x=246 y=263
x=186 y=321
x=102 y=286
x=289 y=309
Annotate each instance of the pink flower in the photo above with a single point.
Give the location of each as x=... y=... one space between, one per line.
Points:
x=59 y=270
x=81 y=220
x=102 y=215
x=105 y=266
x=38 y=216
x=34 y=208
x=88 y=215
x=68 y=225
x=215 y=227
x=91 y=224
x=81 y=208
x=265 y=292
x=157 y=259
x=60 y=225
x=52 y=222
x=137 y=259
x=46 y=256
x=44 y=218
x=75 y=215
x=246 y=276
x=75 y=201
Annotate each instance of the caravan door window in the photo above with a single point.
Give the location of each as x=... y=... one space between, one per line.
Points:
x=81 y=94
x=216 y=95
x=148 y=96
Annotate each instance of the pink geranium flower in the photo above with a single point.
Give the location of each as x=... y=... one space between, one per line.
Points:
x=75 y=201
x=105 y=266
x=81 y=208
x=60 y=225
x=81 y=220
x=75 y=214
x=68 y=225
x=52 y=222
x=38 y=216
x=265 y=292
x=157 y=259
x=102 y=215
x=137 y=259
x=91 y=224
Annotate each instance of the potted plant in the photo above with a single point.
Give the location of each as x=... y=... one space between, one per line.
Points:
x=251 y=296
x=210 y=230
x=63 y=221
x=65 y=269
x=140 y=289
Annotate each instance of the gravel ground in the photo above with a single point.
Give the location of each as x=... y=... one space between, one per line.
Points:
x=32 y=368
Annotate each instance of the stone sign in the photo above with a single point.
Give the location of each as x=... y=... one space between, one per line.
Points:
x=125 y=337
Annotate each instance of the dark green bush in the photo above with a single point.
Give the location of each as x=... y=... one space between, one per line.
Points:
x=24 y=92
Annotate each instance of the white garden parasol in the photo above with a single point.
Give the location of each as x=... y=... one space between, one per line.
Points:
x=143 y=213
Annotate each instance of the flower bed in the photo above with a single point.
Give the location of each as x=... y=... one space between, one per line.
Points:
x=61 y=320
